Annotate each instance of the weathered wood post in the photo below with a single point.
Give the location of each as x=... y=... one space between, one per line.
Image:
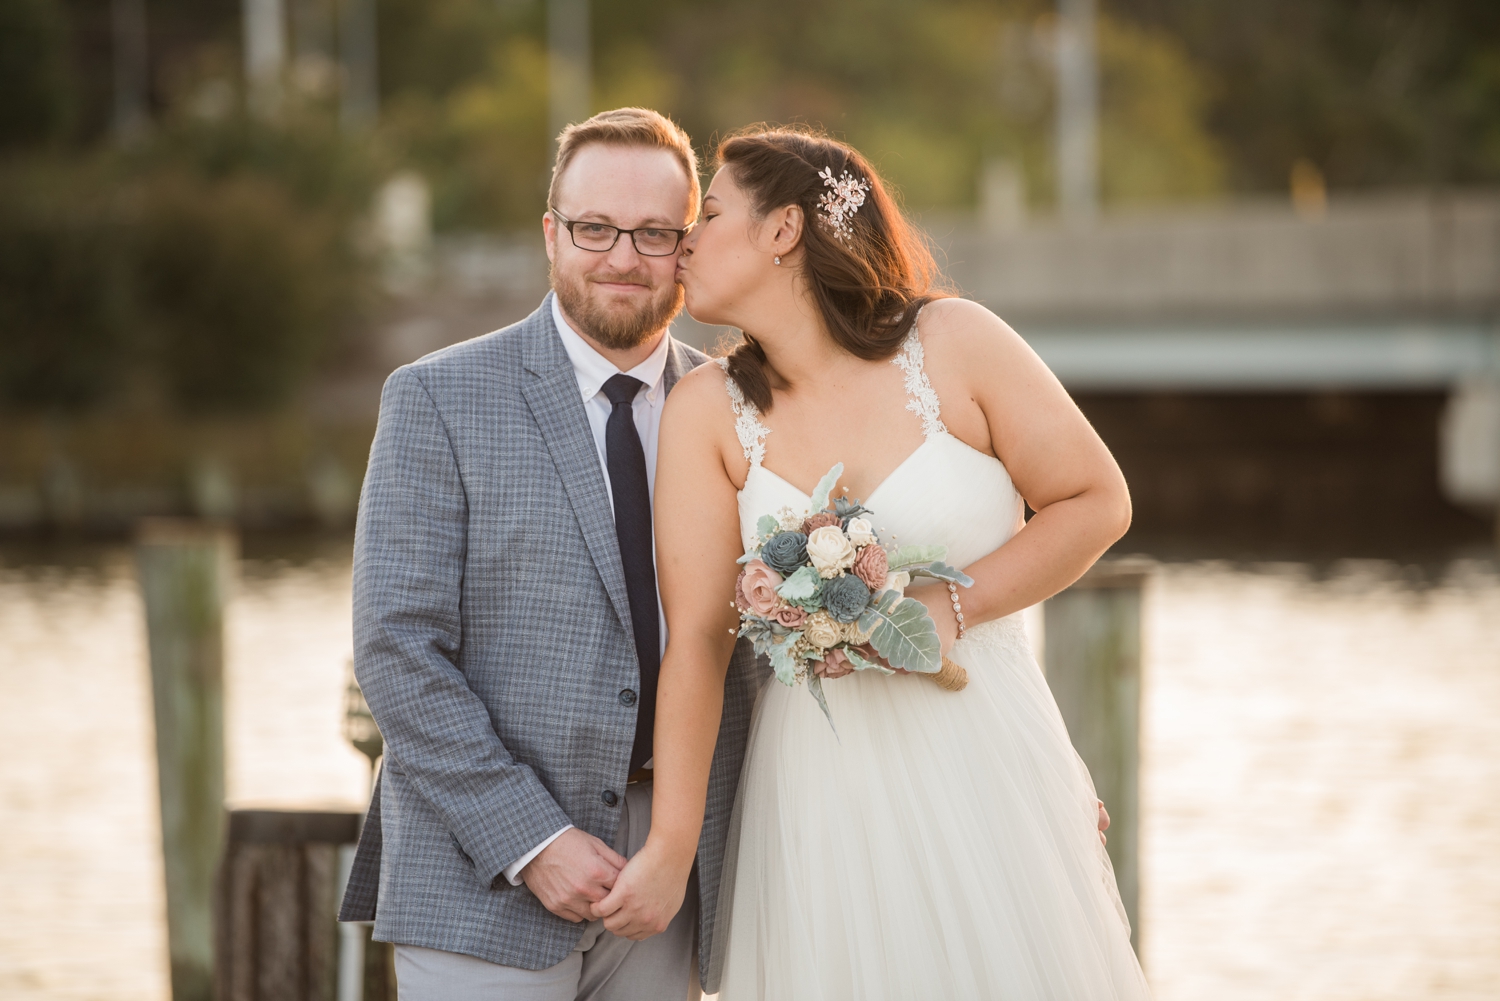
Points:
x=277 y=905
x=185 y=570
x=1093 y=661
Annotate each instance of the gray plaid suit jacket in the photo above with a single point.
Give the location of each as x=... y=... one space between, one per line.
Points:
x=492 y=639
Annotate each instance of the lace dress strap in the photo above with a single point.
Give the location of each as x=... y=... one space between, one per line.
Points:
x=747 y=426
x=921 y=399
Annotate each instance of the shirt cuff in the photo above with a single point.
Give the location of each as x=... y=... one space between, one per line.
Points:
x=512 y=872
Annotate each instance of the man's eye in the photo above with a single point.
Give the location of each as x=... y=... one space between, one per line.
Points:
x=593 y=230
x=655 y=234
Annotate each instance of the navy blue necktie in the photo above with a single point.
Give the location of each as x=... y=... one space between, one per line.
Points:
x=632 y=496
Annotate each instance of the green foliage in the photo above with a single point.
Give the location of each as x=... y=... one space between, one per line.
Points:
x=215 y=289
x=903 y=633
x=35 y=87
x=928 y=90
x=819 y=499
x=1150 y=149
x=1375 y=92
x=63 y=291
x=485 y=145
x=318 y=166
x=237 y=289
x=802 y=588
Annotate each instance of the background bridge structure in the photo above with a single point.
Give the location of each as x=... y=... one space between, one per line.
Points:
x=1269 y=379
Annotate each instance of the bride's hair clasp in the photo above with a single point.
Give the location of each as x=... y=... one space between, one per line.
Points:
x=840 y=204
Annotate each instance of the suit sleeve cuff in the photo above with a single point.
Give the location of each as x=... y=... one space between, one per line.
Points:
x=512 y=872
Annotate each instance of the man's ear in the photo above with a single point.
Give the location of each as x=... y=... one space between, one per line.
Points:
x=549 y=235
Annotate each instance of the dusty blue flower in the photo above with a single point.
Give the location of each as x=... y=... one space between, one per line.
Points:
x=785 y=552
x=845 y=597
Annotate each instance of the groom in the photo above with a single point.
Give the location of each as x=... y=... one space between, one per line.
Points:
x=507 y=630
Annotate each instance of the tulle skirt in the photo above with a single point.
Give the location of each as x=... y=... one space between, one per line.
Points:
x=944 y=845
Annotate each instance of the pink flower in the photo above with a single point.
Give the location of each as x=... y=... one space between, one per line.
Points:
x=835 y=664
x=872 y=567
x=820 y=520
x=789 y=615
x=755 y=591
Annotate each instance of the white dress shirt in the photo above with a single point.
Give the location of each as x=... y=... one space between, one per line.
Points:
x=593 y=370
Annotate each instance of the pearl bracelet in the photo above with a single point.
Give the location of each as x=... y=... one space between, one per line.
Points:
x=958 y=609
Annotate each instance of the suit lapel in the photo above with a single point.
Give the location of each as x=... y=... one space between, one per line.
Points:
x=551 y=391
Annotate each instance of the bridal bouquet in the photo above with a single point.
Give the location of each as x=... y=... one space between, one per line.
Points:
x=819 y=585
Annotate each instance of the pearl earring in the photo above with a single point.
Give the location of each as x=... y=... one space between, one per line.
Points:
x=777 y=259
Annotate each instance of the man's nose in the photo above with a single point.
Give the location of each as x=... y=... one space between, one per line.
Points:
x=623 y=256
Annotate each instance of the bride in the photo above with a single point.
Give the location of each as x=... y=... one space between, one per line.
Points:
x=943 y=844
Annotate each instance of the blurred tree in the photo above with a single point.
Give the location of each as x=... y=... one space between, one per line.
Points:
x=484 y=146
x=1375 y=92
x=236 y=290
x=64 y=294
x=318 y=166
x=36 y=88
x=929 y=90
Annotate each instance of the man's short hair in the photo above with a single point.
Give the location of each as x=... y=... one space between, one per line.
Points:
x=628 y=127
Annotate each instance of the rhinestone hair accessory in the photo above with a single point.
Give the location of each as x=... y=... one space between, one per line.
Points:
x=840 y=204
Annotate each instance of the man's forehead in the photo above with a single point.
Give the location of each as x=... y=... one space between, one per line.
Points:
x=615 y=183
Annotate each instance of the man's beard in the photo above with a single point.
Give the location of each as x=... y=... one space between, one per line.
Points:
x=619 y=328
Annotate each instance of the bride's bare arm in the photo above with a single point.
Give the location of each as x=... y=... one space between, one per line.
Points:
x=697 y=544
x=999 y=397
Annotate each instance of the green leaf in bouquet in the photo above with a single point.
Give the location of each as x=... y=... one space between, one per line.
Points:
x=825 y=487
x=758 y=632
x=942 y=571
x=767 y=525
x=815 y=685
x=782 y=660
x=753 y=554
x=905 y=557
x=903 y=633
x=801 y=588
x=862 y=664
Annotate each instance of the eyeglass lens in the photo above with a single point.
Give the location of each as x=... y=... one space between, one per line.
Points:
x=651 y=242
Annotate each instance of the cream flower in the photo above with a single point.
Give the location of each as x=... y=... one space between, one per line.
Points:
x=830 y=551
x=821 y=631
x=853 y=635
x=860 y=532
x=897 y=582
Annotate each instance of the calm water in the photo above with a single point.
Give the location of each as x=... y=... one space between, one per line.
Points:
x=1321 y=780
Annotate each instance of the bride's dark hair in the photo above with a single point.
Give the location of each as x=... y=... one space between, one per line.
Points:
x=868 y=286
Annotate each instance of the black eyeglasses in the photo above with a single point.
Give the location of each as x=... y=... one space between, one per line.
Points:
x=649 y=241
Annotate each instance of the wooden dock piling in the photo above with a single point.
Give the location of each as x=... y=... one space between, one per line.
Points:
x=278 y=937
x=185 y=570
x=1093 y=662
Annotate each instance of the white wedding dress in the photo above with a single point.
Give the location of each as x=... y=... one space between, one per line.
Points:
x=944 y=845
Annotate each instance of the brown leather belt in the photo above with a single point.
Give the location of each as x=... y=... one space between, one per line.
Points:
x=639 y=775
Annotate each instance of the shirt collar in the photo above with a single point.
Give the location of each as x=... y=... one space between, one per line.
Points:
x=593 y=370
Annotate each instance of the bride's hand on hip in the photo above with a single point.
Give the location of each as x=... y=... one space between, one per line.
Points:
x=646 y=896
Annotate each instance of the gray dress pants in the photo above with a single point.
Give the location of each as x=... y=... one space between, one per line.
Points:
x=601 y=968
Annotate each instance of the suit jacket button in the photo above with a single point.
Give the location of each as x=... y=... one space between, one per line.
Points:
x=627 y=697
x=609 y=797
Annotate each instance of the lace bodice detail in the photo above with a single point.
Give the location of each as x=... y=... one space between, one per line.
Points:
x=944 y=493
x=922 y=400
x=747 y=425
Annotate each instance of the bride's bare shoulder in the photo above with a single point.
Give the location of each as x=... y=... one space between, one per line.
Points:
x=702 y=392
x=966 y=340
x=963 y=325
x=698 y=422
